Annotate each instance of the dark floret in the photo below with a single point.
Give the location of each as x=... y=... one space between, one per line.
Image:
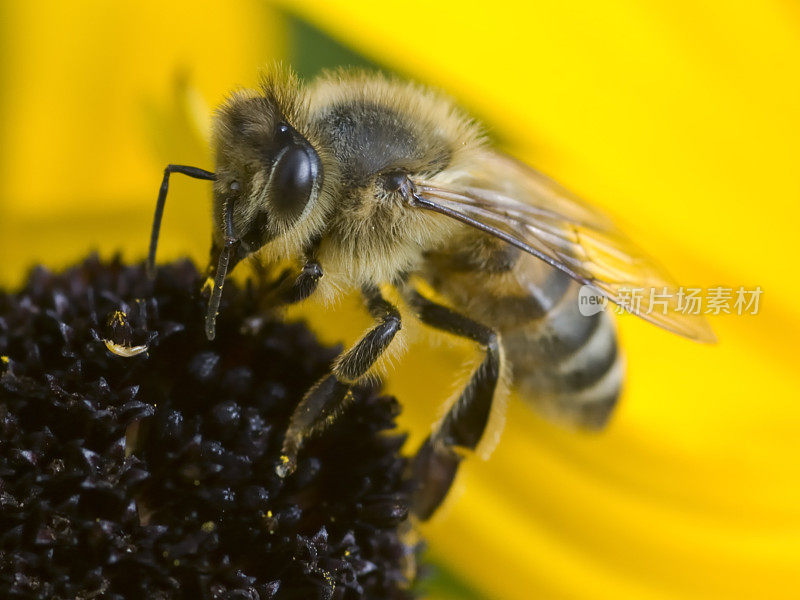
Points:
x=137 y=459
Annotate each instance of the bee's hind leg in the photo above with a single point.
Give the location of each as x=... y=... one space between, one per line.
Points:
x=323 y=402
x=436 y=462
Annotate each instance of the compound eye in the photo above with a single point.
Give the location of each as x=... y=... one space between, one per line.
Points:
x=293 y=181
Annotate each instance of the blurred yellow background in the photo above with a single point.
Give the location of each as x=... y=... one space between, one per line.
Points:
x=682 y=119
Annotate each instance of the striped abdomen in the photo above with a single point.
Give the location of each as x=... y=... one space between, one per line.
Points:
x=566 y=364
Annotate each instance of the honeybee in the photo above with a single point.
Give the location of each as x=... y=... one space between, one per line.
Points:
x=366 y=182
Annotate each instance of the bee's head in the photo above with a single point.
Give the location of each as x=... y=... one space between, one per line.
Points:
x=268 y=177
x=266 y=167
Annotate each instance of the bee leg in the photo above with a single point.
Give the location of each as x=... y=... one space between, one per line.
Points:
x=323 y=402
x=290 y=290
x=436 y=462
x=289 y=287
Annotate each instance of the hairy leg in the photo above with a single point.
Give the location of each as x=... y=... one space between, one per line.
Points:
x=436 y=462
x=325 y=400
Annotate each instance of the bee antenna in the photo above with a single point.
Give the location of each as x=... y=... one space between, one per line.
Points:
x=195 y=172
x=231 y=245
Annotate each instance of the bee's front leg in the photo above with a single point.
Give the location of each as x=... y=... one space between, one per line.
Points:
x=323 y=402
x=291 y=288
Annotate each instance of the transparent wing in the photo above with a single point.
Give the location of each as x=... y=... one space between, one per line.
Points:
x=509 y=200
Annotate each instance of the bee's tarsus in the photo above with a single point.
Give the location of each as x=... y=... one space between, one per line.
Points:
x=433 y=471
x=291 y=289
x=316 y=410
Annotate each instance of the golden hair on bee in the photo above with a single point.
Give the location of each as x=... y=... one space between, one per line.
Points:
x=245 y=128
x=363 y=181
x=378 y=127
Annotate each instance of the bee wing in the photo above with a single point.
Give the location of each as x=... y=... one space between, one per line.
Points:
x=513 y=202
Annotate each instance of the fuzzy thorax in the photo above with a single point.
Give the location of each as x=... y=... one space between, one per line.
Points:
x=365 y=129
